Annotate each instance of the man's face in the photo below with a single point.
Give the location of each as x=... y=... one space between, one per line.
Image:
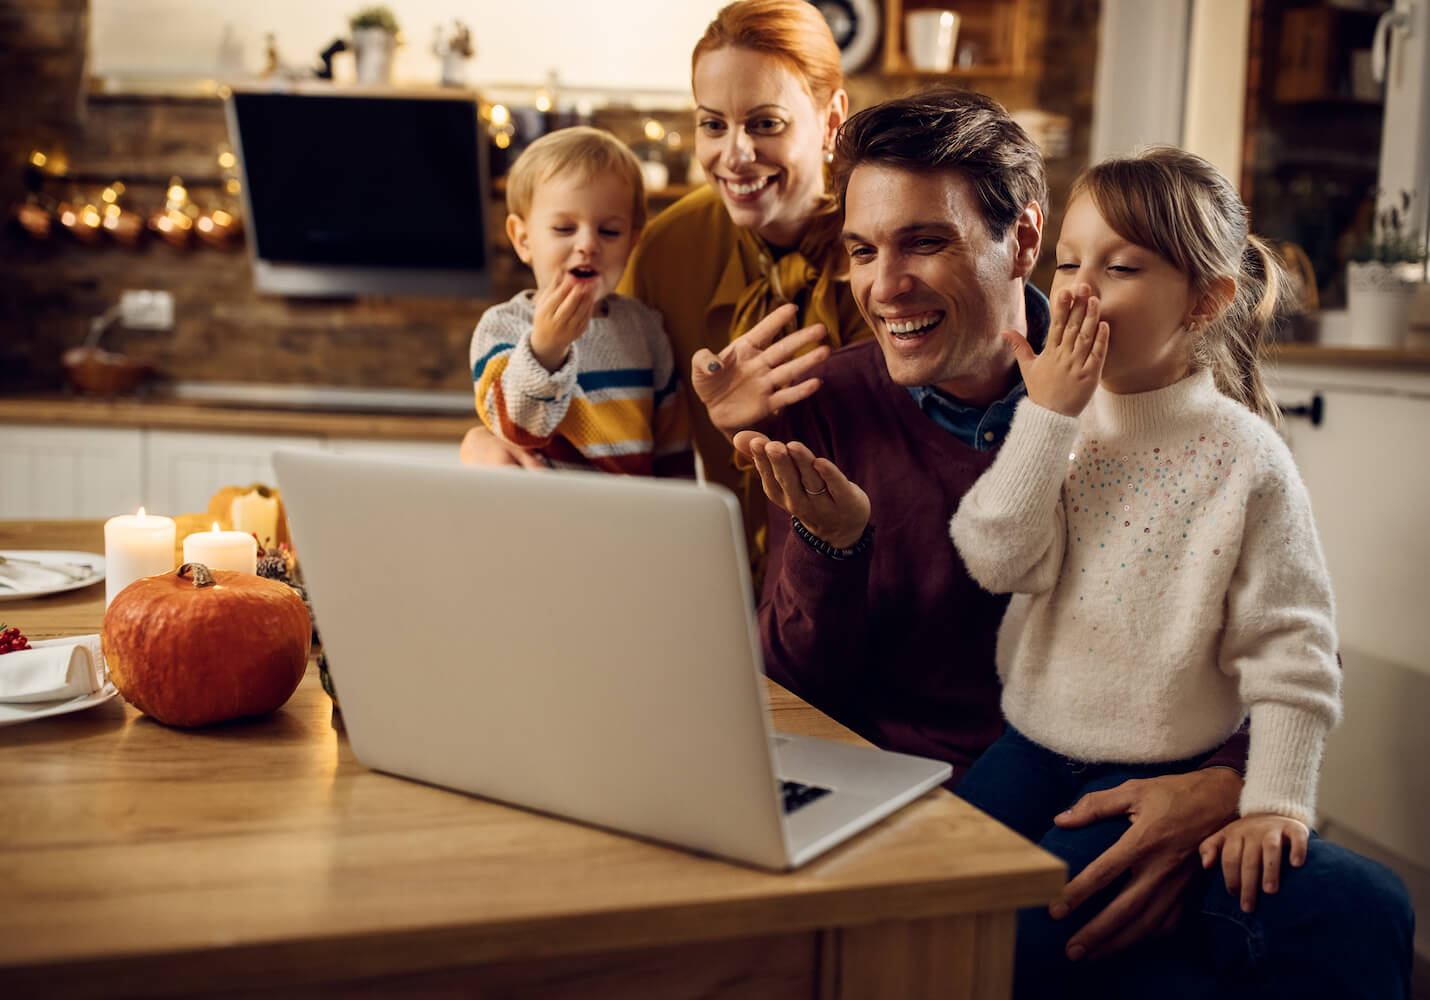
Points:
x=933 y=285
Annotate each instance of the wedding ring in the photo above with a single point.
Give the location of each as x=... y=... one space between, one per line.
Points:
x=816 y=493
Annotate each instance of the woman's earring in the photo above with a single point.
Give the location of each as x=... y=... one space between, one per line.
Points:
x=829 y=156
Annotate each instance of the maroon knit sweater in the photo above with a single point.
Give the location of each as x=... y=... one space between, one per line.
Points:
x=896 y=644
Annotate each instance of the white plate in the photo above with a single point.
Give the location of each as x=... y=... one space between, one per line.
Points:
x=12 y=712
x=60 y=584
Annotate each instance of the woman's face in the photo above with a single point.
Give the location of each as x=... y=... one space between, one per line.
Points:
x=761 y=139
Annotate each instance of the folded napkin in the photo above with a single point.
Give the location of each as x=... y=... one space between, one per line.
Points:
x=53 y=670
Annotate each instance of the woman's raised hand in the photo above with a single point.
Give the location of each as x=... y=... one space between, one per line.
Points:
x=756 y=374
x=812 y=489
x=1064 y=377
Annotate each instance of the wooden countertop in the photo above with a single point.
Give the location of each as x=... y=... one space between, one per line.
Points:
x=140 y=859
x=1398 y=358
x=170 y=414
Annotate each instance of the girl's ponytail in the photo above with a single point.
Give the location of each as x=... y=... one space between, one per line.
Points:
x=1233 y=346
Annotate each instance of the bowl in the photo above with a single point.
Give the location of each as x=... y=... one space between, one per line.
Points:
x=97 y=372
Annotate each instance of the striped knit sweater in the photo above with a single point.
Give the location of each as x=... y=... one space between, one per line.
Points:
x=1167 y=579
x=615 y=404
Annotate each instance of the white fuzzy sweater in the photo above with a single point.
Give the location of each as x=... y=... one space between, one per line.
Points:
x=1168 y=579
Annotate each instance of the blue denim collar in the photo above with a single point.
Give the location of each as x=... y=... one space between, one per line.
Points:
x=984 y=429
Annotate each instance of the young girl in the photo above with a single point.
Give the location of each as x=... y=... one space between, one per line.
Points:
x=1155 y=533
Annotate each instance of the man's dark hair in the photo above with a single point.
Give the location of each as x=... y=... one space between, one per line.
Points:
x=949 y=129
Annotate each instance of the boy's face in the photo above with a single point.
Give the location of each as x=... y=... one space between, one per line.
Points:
x=577 y=226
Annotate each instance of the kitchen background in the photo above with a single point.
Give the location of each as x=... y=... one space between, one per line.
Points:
x=98 y=113
x=106 y=91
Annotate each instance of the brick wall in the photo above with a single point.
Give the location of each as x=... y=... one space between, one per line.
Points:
x=50 y=290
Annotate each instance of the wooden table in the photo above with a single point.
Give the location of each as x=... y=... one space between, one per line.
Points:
x=137 y=859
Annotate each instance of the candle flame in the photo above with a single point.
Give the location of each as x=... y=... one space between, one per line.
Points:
x=215 y=526
x=140 y=515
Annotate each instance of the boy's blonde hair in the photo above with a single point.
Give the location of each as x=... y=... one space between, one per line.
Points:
x=584 y=151
x=1181 y=207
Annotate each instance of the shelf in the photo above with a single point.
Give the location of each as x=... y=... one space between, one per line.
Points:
x=1323 y=54
x=993 y=32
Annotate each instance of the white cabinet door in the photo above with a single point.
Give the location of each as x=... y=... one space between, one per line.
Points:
x=1367 y=469
x=70 y=471
x=423 y=451
x=187 y=468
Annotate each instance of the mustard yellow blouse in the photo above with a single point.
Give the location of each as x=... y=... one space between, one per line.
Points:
x=712 y=281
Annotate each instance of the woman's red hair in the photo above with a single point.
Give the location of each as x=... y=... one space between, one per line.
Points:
x=791 y=31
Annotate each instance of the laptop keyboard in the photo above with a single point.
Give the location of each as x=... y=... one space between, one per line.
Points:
x=796 y=795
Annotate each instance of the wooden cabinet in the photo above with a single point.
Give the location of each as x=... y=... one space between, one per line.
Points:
x=1323 y=54
x=992 y=37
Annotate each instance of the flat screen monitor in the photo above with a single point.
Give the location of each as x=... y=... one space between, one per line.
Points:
x=348 y=194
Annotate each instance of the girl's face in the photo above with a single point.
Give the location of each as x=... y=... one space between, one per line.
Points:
x=761 y=139
x=1148 y=304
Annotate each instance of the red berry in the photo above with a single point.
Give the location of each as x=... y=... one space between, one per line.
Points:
x=11 y=639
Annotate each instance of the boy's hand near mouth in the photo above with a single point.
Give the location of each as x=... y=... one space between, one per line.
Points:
x=562 y=313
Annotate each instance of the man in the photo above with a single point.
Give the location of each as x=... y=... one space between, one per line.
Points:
x=868 y=613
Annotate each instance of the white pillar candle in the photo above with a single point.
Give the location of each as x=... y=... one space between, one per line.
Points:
x=222 y=550
x=256 y=514
x=136 y=545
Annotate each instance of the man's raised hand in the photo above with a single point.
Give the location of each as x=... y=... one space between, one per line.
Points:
x=812 y=489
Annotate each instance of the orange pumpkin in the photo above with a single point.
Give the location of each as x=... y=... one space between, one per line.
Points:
x=222 y=645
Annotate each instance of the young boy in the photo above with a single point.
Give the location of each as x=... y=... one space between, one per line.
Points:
x=578 y=375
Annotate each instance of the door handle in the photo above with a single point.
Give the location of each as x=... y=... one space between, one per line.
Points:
x=1315 y=410
x=1400 y=17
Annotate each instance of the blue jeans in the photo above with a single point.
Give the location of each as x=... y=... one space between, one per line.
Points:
x=1340 y=926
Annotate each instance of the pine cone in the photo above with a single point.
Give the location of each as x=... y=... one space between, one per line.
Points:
x=274 y=567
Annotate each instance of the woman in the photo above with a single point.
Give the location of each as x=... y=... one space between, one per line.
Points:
x=721 y=261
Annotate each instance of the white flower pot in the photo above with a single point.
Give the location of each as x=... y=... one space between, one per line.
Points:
x=374 y=48
x=1378 y=299
x=454 y=69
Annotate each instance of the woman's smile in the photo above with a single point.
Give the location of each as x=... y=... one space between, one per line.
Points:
x=761 y=138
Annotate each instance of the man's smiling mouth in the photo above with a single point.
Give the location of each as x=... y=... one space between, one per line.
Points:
x=912 y=326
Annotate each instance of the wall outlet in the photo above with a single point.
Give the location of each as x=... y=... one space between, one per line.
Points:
x=147 y=310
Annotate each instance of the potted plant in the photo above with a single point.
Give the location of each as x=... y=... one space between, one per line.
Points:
x=1382 y=276
x=374 y=43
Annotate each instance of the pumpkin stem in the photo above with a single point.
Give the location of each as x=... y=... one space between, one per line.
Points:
x=202 y=575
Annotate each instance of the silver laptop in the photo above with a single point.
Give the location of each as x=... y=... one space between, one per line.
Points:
x=579 y=644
